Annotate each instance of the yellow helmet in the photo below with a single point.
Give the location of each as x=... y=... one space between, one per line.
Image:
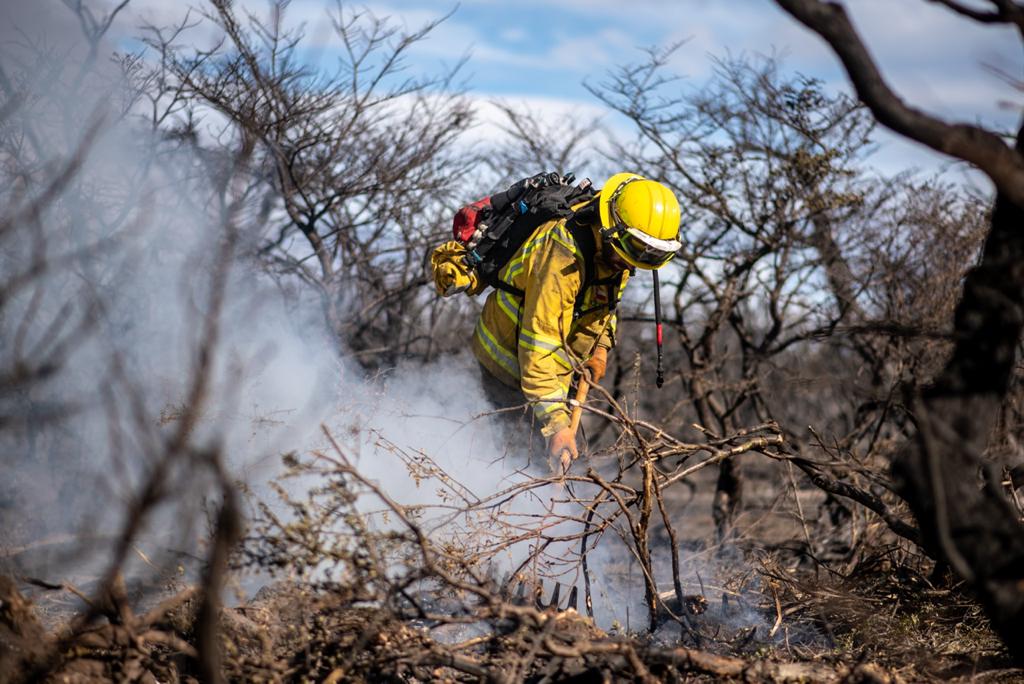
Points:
x=640 y=220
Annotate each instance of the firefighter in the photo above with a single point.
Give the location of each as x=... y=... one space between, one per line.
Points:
x=530 y=346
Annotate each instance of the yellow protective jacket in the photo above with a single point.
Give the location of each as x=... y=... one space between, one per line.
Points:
x=532 y=342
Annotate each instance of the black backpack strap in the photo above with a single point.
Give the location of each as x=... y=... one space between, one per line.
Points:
x=584 y=238
x=579 y=226
x=583 y=235
x=516 y=213
x=507 y=287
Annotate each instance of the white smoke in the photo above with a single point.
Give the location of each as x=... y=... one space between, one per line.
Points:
x=276 y=378
x=149 y=218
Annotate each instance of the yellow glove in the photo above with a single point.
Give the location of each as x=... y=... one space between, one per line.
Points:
x=597 y=364
x=451 y=275
x=561 y=442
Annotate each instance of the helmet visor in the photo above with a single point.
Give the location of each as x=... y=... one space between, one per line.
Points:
x=644 y=249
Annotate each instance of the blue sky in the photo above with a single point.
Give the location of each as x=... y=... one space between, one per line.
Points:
x=925 y=47
x=540 y=53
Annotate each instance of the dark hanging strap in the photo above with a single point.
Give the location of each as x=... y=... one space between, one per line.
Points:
x=657 y=322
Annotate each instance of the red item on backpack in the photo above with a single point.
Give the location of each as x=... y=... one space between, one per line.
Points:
x=467 y=219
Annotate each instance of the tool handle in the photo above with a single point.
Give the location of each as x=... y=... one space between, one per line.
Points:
x=574 y=421
x=577 y=410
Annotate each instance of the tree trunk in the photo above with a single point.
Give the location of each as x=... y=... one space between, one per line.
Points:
x=964 y=517
x=728 y=498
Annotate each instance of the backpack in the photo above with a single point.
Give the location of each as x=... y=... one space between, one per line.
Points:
x=494 y=228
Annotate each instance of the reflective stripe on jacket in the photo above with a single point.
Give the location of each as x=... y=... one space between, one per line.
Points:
x=532 y=342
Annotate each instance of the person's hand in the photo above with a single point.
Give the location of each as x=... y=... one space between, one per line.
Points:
x=597 y=364
x=562 y=445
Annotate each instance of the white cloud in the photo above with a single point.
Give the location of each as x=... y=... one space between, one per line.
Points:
x=592 y=51
x=551 y=111
x=513 y=35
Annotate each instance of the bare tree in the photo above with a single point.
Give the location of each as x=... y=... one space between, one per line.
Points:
x=354 y=171
x=971 y=526
x=766 y=168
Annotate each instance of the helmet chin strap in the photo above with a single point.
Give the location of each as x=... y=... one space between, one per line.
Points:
x=609 y=233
